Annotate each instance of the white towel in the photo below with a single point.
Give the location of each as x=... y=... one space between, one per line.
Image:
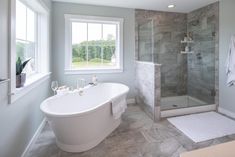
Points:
x=119 y=106
x=230 y=63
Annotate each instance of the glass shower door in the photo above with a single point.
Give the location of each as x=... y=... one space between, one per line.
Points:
x=145 y=41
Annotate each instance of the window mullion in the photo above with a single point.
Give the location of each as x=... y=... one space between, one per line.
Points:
x=37 y=31
x=102 y=46
x=87 y=46
x=26 y=30
x=26 y=21
x=117 y=45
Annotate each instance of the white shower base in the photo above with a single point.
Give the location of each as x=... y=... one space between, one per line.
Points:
x=182 y=105
x=168 y=103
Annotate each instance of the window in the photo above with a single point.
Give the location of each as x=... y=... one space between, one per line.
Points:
x=26 y=42
x=93 y=44
x=28 y=39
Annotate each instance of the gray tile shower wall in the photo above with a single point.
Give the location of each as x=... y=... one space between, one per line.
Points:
x=181 y=74
x=168 y=31
x=203 y=63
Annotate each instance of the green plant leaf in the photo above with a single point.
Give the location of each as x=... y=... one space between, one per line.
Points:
x=25 y=63
x=19 y=66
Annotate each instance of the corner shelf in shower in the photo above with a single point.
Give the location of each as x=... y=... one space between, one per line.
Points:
x=184 y=52
x=187 y=42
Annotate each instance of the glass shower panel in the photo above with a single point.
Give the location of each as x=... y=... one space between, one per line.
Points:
x=188 y=67
x=201 y=64
x=169 y=30
x=145 y=41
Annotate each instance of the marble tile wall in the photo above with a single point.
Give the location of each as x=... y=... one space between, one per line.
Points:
x=203 y=63
x=148 y=88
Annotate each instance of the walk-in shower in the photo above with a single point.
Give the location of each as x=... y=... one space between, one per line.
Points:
x=183 y=51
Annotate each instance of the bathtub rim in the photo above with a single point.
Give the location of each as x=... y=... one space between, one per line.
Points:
x=82 y=113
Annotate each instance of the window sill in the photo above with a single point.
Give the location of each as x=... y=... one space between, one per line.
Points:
x=33 y=82
x=92 y=71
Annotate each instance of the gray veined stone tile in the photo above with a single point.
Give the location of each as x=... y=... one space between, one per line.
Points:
x=129 y=151
x=124 y=140
x=137 y=136
x=160 y=132
x=187 y=143
x=167 y=148
x=44 y=150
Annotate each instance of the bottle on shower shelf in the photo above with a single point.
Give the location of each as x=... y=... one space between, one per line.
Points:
x=190 y=36
x=187 y=49
x=185 y=37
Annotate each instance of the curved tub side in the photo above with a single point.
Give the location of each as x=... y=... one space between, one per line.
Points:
x=82 y=129
x=81 y=133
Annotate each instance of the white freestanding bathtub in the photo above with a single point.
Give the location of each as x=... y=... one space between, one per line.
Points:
x=80 y=122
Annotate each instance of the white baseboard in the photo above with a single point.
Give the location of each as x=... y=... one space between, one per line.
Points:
x=131 y=101
x=226 y=112
x=35 y=136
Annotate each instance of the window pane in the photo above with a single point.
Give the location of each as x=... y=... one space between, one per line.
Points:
x=30 y=25
x=93 y=45
x=94 y=31
x=109 y=54
x=94 y=56
x=109 y=31
x=109 y=34
x=94 y=53
x=20 y=49
x=79 y=47
x=79 y=32
x=30 y=53
x=20 y=20
x=79 y=56
x=26 y=50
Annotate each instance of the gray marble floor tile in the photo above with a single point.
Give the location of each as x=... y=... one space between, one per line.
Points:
x=137 y=136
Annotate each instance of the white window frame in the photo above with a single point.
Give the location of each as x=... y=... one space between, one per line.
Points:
x=43 y=39
x=69 y=18
x=36 y=48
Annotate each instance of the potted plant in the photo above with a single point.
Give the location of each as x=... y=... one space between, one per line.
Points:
x=20 y=77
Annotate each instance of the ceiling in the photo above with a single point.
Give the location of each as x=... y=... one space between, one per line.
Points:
x=183 y=6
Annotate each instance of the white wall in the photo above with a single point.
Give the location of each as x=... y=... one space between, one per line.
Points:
x=20 y=120
x=58 y=11
x=227 y=28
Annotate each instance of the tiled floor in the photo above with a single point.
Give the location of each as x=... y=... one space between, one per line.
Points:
x=137 y=136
